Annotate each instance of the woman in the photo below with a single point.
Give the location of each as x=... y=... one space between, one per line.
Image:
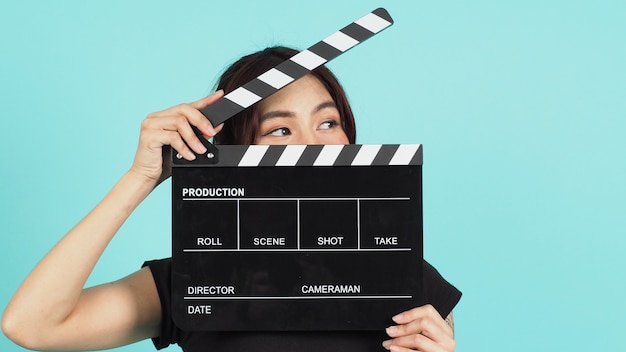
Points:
x=51 y=310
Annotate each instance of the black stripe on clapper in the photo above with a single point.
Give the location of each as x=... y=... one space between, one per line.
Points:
x=260 y=88
x=292 y=69
x=220 y=111
x=382 y=13
x=417 y=158
x=347 y=154
x=357 y=32
x=385 y=154
x=309 y=155
x=230 y=155
x=272 y=155
x=325 y=50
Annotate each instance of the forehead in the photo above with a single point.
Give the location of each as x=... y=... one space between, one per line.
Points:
x=303 y=93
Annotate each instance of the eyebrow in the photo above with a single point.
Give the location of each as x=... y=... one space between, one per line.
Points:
x=284 y=113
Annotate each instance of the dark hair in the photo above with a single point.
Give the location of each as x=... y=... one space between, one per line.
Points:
x=242 y=128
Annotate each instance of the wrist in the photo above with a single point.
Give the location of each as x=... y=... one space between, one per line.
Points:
x=140 y=179
x=132 y=188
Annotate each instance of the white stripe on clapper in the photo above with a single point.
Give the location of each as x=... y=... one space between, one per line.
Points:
x=290 y=155
x=308 y=60
x=275 y=78
x=372 y=23
x=366 y=155
x=253 y=155
x=404 y=154
x=328 y=155
x=242 y=97
x=341 y=41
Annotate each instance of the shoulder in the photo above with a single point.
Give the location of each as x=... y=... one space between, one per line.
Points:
x=159 y=267
x=161 y=273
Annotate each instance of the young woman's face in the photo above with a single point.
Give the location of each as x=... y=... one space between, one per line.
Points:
x=301 y=113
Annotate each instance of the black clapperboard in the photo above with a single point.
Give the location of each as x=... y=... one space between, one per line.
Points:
x=296 y=237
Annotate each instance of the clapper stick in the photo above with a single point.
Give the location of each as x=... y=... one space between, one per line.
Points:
x=297 y=66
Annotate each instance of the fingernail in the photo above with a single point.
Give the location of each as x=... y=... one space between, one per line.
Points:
x=386 y=344
x=201 y=148
x=391 y=330
x=397 y=318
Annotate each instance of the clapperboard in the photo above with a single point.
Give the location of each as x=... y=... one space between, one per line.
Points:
x=296 y=237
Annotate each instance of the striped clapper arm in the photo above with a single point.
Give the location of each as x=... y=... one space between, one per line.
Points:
x=297 y=66
x=296 y=237
x=309 y=155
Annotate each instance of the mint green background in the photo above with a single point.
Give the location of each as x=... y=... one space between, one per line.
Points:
x=521 y=107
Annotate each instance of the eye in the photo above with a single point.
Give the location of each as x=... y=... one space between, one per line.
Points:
x=279 y=132
x=326 y=125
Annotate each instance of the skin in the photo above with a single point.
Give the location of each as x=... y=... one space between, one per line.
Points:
x=301 y=113
x=52 y=311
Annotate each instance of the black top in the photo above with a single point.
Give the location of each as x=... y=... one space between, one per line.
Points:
x=438 y=292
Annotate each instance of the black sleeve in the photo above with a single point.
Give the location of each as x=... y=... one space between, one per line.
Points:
x=162 y=274
x=439 y=292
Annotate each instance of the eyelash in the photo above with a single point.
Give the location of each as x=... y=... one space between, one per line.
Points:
x=332 y=123
x=285 y=131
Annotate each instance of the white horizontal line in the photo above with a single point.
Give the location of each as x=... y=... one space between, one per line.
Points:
x=294 y=297
x=300 y=250
x=312 y=198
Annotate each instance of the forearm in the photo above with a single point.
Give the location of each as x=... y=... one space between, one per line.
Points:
x=50 y=292
x=51 y=310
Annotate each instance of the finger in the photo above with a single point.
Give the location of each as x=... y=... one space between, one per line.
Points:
x=205 y=125
x=177 y=122
x=195 y=118
x=429 y=340
x=415 y=313
x=217 y=130
x=208 y=100
x=424 y=326
x=173 y=138
x=427 y=313
x=415 y=342
x=189 y=136
x=423 y=320
x=190 y=111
